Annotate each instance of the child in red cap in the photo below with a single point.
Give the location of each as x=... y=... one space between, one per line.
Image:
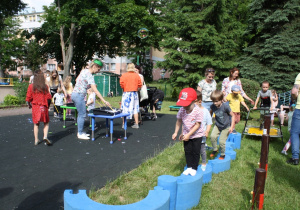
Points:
x=190 y=117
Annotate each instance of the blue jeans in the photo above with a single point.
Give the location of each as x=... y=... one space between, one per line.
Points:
x=295 y=131
x=207 y=104
x=78 y=99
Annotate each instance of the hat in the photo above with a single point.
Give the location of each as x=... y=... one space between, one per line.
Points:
x=236 y=89
x=186 y=97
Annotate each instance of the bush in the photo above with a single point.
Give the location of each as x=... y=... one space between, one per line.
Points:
x=251 y=88
x=21 y=90
x=11 y=100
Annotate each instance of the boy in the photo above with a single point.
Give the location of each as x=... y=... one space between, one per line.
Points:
x=265 y=95
x=189 y=117
x=206 y=124
x=235 y=99
x=222 y=126
x=58 y=100
x=91 y=100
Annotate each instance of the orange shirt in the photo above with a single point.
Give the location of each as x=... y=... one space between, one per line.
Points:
x=130 y=82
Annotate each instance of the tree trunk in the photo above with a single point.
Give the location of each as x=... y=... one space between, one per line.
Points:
x=69 y=52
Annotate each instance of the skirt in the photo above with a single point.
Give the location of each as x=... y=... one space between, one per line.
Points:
x=40 y=114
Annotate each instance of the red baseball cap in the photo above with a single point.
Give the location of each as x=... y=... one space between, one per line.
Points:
x=186 y=97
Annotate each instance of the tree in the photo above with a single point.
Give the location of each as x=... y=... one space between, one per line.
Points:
x=11 y=44
x=9 y=8
x=200 y=34
x=273 y=53
x=86 y=28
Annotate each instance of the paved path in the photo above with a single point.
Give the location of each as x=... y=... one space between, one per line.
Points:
x=35 y=177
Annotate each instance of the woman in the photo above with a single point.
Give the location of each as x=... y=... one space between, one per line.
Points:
x=131 y=82
x=206 y=87
x=84 y=81
x=54 y=81
x=37 y=97
x=233 y=79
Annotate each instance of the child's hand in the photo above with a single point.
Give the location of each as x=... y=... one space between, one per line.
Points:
x=206 y=133
x=174 y=136
x=180 y=137
x=185 y=137
x=255 y=107
x=252 y=102
x=230 y=130
x=247 y=109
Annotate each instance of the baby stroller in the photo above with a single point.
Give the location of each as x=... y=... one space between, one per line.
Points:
x=155 y=98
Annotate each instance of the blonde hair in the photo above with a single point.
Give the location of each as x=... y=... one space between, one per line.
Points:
x=131 y=67
x=56 y=80
x=93 y=63
x=216 y=95
x=59 y=90
x=67 y=82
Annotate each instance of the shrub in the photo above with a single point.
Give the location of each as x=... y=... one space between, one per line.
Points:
x=21 y=90
x=11 y=100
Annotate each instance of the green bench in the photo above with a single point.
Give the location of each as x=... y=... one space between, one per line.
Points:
x=174 y=108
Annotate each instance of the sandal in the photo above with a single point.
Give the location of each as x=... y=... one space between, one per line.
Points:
x=47 y=141
x=37 y=143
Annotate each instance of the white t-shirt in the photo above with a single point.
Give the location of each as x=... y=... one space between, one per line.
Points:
x=92 y=97
x=59 y=99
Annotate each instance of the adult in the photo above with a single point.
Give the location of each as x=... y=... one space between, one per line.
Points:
x=295 y=129
x=54 y=81
x=131 y=82
x=206 y=87
x=84 y=81
x=233 y=79
x=138 y=70
x=37 y=96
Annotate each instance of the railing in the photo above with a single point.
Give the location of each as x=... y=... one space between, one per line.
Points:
x=6 y=81
x=285 y=98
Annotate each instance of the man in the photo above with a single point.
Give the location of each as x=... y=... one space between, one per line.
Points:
x=295 y=129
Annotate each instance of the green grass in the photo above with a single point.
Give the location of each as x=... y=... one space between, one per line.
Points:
x=227 y=190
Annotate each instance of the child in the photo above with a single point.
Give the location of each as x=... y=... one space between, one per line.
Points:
x=37 y=97
x=235 y=99
x=274 y=98
x=69 y=89
x=222 y=126
x=91 y=100
x=265 y=95
x=190 y=117
x=206 y=124
x=58 y=100
x=290 y=116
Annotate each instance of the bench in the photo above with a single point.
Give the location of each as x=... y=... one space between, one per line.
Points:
x=174 y=108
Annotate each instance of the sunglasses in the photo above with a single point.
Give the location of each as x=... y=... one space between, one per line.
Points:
x=210 y=70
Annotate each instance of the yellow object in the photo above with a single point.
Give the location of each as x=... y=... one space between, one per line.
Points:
x=257 y=131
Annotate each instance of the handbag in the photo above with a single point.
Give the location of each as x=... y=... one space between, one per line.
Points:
x=143 y=92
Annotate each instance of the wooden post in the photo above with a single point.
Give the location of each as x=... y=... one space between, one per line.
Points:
x=259 y=189
x=264 y=152
x=267 y=123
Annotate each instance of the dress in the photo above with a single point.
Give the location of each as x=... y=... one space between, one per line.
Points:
x=39 y=103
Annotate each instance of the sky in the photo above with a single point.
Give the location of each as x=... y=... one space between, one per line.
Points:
x=37 y=4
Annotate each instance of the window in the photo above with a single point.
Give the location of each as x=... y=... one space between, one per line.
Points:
x=112 y=66
x=105 y=67
x=51 y=67
x=38 y=18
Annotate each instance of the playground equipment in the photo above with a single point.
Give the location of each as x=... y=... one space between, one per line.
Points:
x=257 y=130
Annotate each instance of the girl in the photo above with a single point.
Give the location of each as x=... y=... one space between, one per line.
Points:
x=190 y=117
x=274 y=98
x=69 y=89
x=59 y=99
x=37 y=98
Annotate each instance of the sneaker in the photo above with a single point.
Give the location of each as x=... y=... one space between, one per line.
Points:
x=83 y=136
x=293 y=161
x=87 y=134
x=203 y=167
x=123 y=126
x=135 y=126
x=234 y=131
x=213 y=154
x=284 y=152
x=193 y=172
x=222 y=157
x=187 y=171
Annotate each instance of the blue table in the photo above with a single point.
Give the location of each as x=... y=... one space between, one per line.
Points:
x=111 y=118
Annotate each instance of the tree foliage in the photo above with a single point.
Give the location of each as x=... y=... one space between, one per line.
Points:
x=8 y=8
x=273 y=53
x=96 y=28
x=201 y=34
